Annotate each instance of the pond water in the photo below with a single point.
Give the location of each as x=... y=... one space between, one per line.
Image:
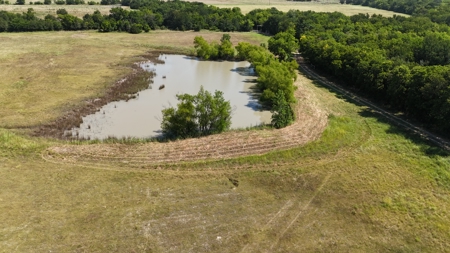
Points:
x=141 y=117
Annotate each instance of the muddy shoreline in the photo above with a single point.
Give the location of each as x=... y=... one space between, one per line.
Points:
x=138 y=79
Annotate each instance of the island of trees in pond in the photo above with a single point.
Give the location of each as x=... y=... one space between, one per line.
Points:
x=402 y=62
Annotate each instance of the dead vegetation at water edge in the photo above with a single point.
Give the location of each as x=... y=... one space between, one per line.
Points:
x=124 y=89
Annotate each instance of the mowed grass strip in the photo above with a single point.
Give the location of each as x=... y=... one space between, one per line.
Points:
x=45 y=74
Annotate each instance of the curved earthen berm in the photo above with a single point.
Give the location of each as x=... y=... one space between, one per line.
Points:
x=310 y=123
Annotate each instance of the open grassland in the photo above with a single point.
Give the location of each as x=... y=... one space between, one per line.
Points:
x=245 y=6
x=46 y=74
x=43 y=10
x=283 y=5
x=363 y=186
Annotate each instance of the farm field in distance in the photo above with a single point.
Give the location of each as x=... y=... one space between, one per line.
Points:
x=245 y=6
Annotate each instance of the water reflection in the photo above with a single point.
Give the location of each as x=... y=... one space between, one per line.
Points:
x=141 y=117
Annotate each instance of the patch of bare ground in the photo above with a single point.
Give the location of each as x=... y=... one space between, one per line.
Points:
x=310 y=123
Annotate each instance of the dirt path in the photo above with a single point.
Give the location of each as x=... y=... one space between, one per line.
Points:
x=445 y=144
x=310 y=123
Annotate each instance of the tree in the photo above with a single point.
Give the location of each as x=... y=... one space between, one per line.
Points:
x=180 y=122
x=202 y=47
x=283 y=44
x=282 y=114
x=197 y=115
x=226 y=49
x=20 y=2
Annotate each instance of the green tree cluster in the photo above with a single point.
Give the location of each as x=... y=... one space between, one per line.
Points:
x=180 y=15
x=214 y=51
x=197 y=115
x=282 y=113
x=273 y=75
x=402 y=6
x=283 y=44
x=400 y=62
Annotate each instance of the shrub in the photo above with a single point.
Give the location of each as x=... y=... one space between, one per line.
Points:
x=62 y=12
x=136 y=28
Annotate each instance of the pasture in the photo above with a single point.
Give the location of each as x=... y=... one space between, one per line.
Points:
x=353 y=183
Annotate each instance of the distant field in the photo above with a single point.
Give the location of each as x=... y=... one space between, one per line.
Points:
x=245 y=6
x=282 y=5
x=43 y=10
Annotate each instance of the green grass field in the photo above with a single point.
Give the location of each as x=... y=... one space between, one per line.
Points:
x=363 y=186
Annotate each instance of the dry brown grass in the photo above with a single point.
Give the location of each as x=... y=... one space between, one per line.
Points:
x=283 y=5
x=364 y=186
x=43 y=10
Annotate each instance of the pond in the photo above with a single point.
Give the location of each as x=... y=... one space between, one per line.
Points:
x=141 y=117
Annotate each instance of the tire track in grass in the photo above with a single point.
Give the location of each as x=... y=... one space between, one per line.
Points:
x=275 y=227
x=302 y=210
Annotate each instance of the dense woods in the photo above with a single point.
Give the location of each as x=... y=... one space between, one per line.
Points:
x=402 y=6
x=401 y=62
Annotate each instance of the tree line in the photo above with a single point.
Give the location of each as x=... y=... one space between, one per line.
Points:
x=402 y=6
x=276 y=75
x=148 y=14
x=401 y=62
x=435 y=10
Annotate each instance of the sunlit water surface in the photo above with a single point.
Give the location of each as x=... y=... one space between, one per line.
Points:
x=141 y=117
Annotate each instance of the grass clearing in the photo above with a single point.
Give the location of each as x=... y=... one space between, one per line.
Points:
x=364 y=186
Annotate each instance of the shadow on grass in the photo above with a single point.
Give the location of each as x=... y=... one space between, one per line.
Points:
x=427 y=146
